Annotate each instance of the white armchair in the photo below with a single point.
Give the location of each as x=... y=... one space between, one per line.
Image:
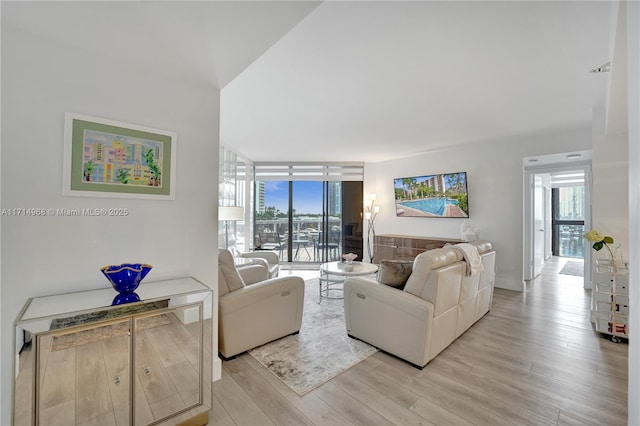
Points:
x=268 y=259
x=253 y=313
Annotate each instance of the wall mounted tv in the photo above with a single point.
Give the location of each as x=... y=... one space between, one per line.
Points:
x=443 y=195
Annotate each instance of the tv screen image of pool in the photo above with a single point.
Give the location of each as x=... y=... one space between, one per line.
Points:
x=442 y=195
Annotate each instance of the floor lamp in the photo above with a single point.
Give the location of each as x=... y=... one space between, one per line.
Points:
x=370 y=215
x=229 y=213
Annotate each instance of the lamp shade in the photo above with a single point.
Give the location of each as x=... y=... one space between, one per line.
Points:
x=230 y=213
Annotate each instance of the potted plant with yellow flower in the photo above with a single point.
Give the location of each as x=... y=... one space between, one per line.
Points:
x=599 y=241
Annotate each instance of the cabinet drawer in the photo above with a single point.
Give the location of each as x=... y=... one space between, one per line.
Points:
x=611 y=288
x=612 y=326
x=404 y=247
x=622 y=279
x=611 y=298
x=608 y=307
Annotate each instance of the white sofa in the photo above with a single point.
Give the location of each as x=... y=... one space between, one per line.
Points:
x=254 y=309
x=438 y=303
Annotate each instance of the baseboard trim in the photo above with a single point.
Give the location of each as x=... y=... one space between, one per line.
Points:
x=216 y=369
x=201 y=419
x=508 y=284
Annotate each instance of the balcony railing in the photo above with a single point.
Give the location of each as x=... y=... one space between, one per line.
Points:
x=571 y=243
x=307 y=237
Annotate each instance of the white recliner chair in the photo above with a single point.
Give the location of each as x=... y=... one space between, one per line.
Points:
x=254 y=309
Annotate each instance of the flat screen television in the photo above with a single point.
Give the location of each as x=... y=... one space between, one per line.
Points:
x=443 y=195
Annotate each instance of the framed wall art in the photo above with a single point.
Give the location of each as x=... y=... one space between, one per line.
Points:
x=104 y=158
x=442 y=195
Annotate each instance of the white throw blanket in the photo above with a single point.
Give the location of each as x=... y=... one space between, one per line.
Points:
x=472 y=257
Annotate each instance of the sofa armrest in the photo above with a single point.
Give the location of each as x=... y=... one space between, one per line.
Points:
x=252 y=274
x=261 y=291
x=270 y=260
x=270 y=257
x=258 y=261
x=390 y=319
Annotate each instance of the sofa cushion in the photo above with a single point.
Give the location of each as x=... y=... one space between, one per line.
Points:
x=394 y=273
x=228 y=277
x=426 y=262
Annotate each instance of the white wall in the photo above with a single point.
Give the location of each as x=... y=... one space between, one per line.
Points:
x=495 y=184
x=633 y=58
x=610 y=202
x=41 y=80
x=548 y=219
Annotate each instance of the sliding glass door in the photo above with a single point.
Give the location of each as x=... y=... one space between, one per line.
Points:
x=303 y=220
x=308 y=212
x=271 y=217
x=567 y=210
x=308 y=220
x=329 y=243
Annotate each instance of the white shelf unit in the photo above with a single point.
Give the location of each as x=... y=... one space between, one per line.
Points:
x=610 y=300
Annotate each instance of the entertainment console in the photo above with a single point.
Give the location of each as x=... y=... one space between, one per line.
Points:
x=405 y=247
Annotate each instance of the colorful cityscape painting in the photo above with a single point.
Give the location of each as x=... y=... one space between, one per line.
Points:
x=105 y=158
x=118 y=159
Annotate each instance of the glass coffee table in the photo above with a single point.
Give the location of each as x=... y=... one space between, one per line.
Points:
x=333 y=275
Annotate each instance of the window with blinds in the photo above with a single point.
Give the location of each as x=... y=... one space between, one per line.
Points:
x=332 y=172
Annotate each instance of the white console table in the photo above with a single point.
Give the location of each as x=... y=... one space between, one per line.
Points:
x=610 y=300
x=81 y=360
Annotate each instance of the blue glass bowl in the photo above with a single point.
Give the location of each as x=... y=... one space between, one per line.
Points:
x=125 y=278
x=122 y=298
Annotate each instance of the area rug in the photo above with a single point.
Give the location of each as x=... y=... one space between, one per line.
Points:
x=573 y=267
x=321 y=350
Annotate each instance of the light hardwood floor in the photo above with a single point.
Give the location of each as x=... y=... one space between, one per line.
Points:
x=534 y=359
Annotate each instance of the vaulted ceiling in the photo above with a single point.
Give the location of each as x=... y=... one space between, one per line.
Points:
x=204 y=42
x=377 y=80
x=356 y=80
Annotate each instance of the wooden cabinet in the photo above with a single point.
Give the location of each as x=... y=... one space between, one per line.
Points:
x=80 y=360
x=405 y=247
x=610 y=300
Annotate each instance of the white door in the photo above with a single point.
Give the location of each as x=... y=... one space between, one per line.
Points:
x=548 y=251
x=538 y=223
x=533 y=190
